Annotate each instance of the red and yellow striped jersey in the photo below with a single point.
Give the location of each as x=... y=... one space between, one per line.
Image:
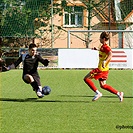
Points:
x=103 y=54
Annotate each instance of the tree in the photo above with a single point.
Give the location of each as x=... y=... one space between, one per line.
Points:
x=24 y=18
x=18 y=16
x=31 y=18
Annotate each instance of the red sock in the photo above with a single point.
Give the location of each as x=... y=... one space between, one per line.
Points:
x=90 y=84
x=110 y=89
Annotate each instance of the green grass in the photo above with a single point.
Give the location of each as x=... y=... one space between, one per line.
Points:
x=68 y=109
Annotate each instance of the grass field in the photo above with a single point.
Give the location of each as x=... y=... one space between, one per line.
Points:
x=68 y=109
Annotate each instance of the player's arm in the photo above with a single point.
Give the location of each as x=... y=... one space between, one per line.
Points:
x=3 y=67
x=107 y=59
x=109 y=56
x=45 y=62
x=98 y=48
x=15 y=64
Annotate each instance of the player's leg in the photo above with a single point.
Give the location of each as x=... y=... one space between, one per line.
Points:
x=39 y=87
x=105 y=86
x=35 y=83
x=88 y=81
x=110 y=89
x=28 y=78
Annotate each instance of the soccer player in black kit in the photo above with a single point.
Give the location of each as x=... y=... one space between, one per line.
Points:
x=30 y=65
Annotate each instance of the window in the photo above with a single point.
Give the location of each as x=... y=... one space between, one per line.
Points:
x=73 y=16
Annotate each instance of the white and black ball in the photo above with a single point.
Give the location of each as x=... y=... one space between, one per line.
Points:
x=46 y=90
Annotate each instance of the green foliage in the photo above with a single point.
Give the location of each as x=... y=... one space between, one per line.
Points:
x=126 y=7
x=63 y=3
x=22 y=18
x=68 y=109
x=18 y=17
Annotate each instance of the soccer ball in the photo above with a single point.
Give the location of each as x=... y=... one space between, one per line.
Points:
x=46 y=90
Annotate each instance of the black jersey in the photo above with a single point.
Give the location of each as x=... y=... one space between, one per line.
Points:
x=30 y=63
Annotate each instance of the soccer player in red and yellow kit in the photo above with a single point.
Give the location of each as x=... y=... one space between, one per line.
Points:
x=101 y=73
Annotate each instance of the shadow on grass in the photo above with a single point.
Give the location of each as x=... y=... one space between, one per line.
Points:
x=18 y=100
x=113 y=96
x=39 y=100
x=60 y=101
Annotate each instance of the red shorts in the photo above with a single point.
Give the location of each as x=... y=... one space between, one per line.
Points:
x=97 y=74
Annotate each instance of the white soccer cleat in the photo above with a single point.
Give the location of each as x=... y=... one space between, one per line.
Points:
x=39 y=94
x=120 y=95
x=97 y=96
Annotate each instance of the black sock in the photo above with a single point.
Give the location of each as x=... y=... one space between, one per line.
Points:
x=34 y=85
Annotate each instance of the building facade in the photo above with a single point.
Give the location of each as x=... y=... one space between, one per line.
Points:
x=80 y=16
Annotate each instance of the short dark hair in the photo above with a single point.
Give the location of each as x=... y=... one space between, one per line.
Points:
x=32 y=45
x=104 y=35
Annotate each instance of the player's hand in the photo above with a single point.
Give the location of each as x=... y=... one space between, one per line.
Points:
x=103 y=64
x=46 y=62
x=4 y=69
x=94 y=48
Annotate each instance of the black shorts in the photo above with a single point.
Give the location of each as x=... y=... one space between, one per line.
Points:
x=35 y=77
